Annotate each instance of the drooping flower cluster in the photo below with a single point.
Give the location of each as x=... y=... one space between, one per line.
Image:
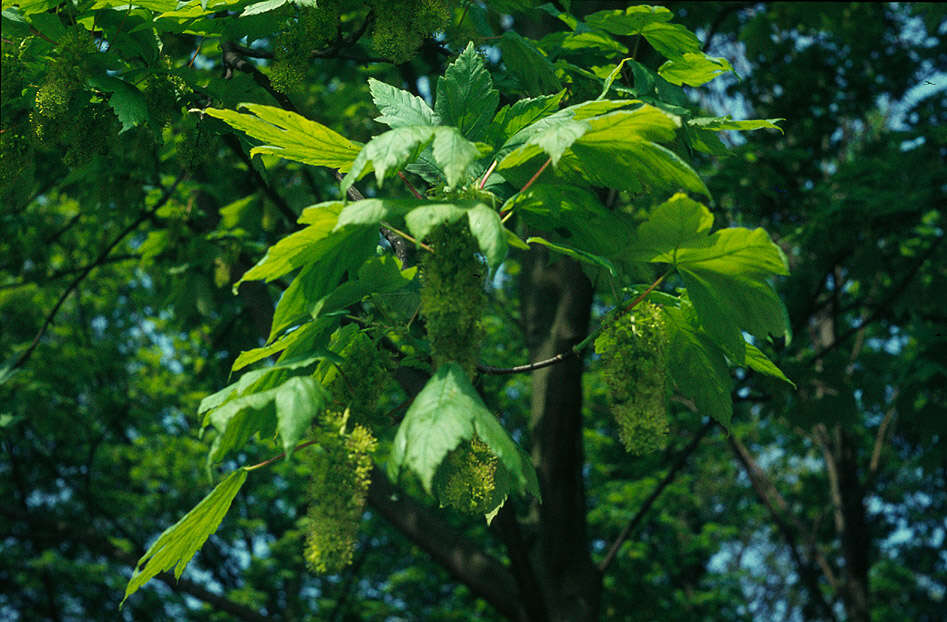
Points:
x=634 y=366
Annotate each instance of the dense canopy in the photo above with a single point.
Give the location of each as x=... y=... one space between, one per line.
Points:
x=434 y=309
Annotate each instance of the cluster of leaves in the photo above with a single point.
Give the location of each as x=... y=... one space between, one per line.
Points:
x=525 y=174
x=635 y=369
x=448 y=436
x=857 y=213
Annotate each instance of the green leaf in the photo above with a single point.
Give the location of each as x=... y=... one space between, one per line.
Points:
x=611 y=149
x=298 y=401
x=694 y=69
x=528 y=64
x=378 y=275
x=552 y=135
x=729 y=304
x=126 y=100
x=486 y=227
x=297 y=249
x=575 y=215
x=389 y=151
x=423 y=219
x=466 y=98
x=718 y=124
x=698 y=367
x=631 y=165
x=671 y=40
x=309 y=334
x=178 y=544
x=629 y=21
x=290 y=136
x=735 y=251
x=575 y=253
x=612 y=75
x=757 y=361
x=725 y=273
x=453 y=153
x=372 y=212
x=29 y=7
x=262 y=7
x=400 y=108
x=678 y=221
x=445 y=413
x=287 y=408
x=331 y=257
x=511 y=119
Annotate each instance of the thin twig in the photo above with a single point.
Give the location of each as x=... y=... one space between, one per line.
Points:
x=518 y=369
x=21 y=360
x=665 y=482
x=880 y=437
x=64 y=273
x=578 y=348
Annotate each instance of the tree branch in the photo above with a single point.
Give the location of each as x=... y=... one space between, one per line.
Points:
x=578 y=348
x=665 y=482
x=883 y=304
x=484 y=575
x=25 y=356
x=279 y=201
x=788 y=526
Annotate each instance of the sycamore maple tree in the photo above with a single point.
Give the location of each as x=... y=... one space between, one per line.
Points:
x=372 y=372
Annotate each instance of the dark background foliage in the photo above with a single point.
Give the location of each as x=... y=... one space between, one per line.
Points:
x=827 y=502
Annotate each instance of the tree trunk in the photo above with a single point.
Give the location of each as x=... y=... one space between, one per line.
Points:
x=556 y=303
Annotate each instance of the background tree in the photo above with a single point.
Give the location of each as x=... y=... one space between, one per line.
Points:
x=126 y=220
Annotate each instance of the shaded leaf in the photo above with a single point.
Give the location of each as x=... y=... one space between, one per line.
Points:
x=466 y=98
x=126 y=100
x=528 y=64
x=445 y=413
x=757 y=361
x=575 y=253
x=698 y=367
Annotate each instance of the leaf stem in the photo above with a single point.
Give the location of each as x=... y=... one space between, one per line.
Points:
x=486 y=175
x=533 y=178
x=281 y=455
x=407 y=237
x=413 y=190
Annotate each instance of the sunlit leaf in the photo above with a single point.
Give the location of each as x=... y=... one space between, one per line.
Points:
x=179 y=542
